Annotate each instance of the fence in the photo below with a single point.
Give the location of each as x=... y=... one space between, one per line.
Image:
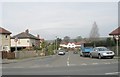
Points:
x=8 y=55
x=20 y=54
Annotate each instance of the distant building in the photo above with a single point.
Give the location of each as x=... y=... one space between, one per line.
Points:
x=4 y=39
x=70 y=45
x=25 y=40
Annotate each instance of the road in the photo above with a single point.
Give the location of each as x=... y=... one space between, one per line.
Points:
x=68 y=64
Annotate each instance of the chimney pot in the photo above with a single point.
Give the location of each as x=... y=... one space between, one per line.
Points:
x=38 y=36
x=27 y=31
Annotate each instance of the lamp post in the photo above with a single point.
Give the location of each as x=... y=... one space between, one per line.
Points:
x=117 y=42
x=16 y=39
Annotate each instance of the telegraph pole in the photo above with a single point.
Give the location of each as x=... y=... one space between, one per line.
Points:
x=56 y=43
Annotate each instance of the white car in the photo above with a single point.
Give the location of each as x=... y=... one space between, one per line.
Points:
x=101 y=52
x=61 y=52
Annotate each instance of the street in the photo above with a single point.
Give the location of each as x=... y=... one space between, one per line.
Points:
x=68 y=64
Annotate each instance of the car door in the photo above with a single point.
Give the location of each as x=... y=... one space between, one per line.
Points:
x=93 y=52
x=96 y=52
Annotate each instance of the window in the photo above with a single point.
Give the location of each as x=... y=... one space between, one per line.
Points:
x=6 y=36
x=27 y=41
x=95 y=49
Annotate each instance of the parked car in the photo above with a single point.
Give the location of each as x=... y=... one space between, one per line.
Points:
x=61 y=52
x=101 y=52
x=85 y=51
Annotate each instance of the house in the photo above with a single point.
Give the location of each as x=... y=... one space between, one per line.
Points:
x=70 y=45
x=116 y=35
x=115 y=32
x=4 y=39
x=25 y=40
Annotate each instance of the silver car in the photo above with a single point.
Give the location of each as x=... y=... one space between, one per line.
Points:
x=61 y=52
x=101 y=52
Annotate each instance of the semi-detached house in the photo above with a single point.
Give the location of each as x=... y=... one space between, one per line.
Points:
x=4 y=39
x=25 y=40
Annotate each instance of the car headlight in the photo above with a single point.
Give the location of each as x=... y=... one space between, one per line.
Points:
x=112 y=53
x=104 y=53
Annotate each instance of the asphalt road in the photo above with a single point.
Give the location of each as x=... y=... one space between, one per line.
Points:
x=68 y=64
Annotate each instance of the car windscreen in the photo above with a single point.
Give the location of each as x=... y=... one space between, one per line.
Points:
x=103 y=49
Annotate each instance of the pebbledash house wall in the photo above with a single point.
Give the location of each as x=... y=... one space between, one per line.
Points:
x=24 y=42
x=5 y=42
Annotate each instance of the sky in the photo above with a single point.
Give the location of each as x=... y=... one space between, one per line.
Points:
x=51 y=19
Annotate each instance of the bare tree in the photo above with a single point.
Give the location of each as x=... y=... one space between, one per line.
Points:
x=94 y=34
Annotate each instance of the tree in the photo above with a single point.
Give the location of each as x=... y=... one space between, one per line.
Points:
x=94 y=34
x=78 y=38
x=43 y=44
x=57 y=42
x=66 y=39
x=110 y=42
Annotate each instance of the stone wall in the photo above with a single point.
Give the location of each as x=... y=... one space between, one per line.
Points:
x=25 y=54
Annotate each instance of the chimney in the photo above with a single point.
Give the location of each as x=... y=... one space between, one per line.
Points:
x=27 y=31
x=38 y=36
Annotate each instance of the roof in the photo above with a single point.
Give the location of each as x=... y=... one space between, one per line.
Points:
x=64 y=43
x=4 y=31
x=25 y=35
x=115 y=32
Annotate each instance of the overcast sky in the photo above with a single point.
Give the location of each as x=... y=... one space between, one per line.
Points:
x=50 y=19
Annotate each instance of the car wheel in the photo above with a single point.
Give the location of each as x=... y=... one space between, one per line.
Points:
x=99 y=56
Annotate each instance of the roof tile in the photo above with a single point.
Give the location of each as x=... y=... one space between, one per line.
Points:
x=25 y=35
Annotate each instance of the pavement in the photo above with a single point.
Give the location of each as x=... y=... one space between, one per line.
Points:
x=7 y=61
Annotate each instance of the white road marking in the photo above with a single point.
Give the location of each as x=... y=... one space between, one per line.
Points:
x=114 y=62
x=72 y=64
x=107 y=63
x=112 y=73
x=68 y=59
x=94 y=63
x=68 y=63
x=35 y=66
x=83 y=64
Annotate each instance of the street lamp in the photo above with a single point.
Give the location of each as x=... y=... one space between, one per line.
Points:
x=117 y=42
x=16 y=39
